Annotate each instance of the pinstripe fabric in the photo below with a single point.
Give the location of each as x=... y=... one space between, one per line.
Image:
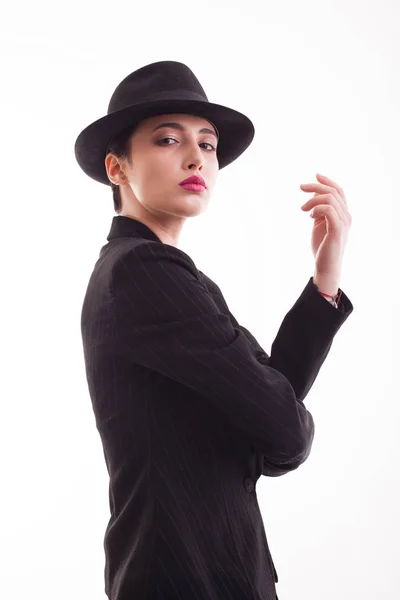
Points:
x=191 y=411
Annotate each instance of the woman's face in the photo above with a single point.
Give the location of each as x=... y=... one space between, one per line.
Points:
x=160 y=158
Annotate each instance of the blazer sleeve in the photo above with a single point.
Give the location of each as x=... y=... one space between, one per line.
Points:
x=299 y=349
x=215 y=290
x=304 y=337
x=167 y=321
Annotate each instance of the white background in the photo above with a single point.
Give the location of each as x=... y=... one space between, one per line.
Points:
x=320 y=81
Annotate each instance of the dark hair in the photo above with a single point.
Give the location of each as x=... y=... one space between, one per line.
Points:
x=120 y=146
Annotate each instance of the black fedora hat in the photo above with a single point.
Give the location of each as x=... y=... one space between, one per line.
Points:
x=160 y=88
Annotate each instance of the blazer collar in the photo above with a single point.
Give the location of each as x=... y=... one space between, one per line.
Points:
x=127 y=227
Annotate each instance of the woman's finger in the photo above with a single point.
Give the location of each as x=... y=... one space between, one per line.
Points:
x=329 y=198
x=337 y=187
x=323 y=188
x=328 y=211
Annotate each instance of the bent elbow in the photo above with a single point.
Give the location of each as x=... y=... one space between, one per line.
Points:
x=273 y=467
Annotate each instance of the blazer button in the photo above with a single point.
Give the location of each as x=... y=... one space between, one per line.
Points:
x=248 y=484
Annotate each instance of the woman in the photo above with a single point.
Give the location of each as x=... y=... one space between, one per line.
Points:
x=191 y=410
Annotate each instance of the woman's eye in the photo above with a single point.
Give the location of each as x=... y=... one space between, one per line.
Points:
x=213 y=148
x=167 y=138
x=208 y=144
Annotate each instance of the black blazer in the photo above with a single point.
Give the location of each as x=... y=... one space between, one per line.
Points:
x=191 y=411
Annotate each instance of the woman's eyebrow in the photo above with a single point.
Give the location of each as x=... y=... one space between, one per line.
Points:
x=182 y=128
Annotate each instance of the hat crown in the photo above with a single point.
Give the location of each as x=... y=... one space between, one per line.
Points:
x=163 y=80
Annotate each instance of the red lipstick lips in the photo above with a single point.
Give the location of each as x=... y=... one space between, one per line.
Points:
x=194 y=180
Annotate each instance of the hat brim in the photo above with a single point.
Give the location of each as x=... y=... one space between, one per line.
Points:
x=236 y=131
